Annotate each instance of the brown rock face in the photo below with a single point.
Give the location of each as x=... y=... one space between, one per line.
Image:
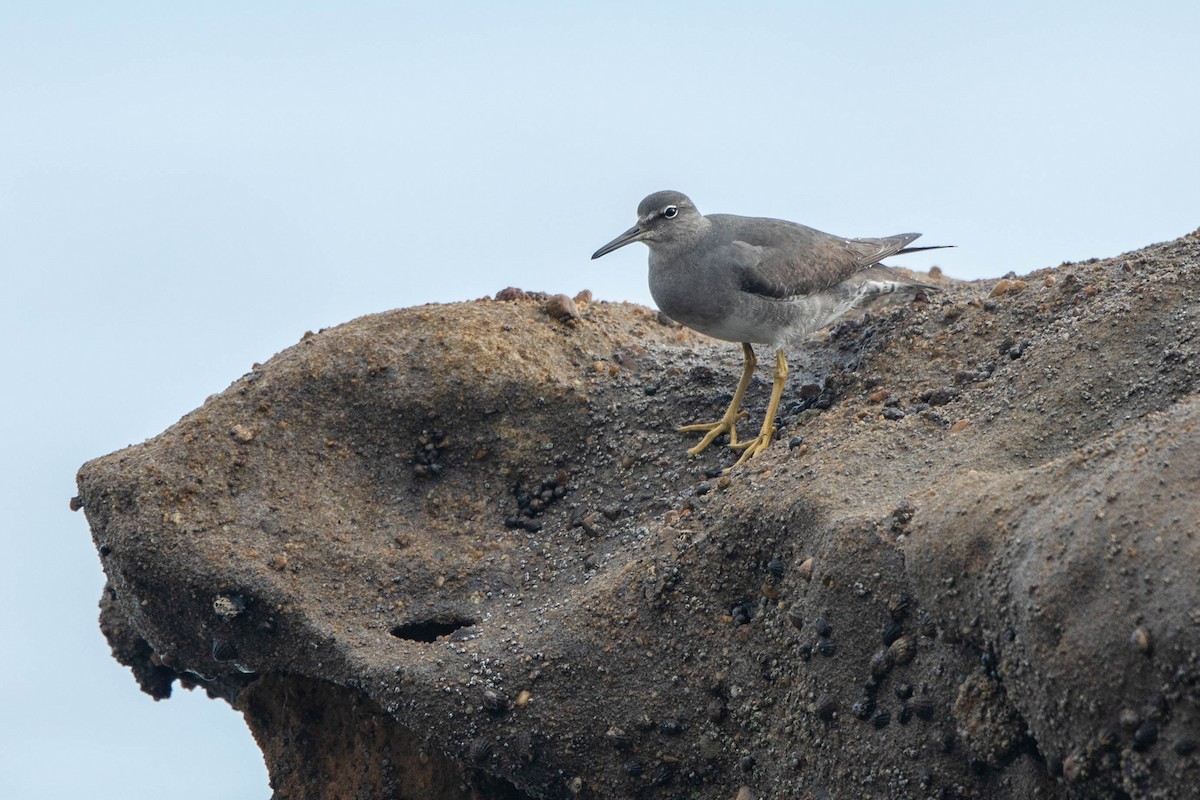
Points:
x=459 y=552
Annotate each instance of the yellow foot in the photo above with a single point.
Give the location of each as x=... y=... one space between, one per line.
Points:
x=753 y=447
x=759 y=443
x=727 y=424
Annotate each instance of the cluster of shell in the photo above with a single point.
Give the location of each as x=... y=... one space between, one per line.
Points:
x=427 y=460
x=899 y=648
x=533 y=500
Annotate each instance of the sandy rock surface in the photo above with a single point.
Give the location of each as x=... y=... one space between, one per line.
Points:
x=460 y=552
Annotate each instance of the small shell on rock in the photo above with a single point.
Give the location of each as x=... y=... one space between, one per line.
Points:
x=823 y=628
x=1107 y=738
x=902 y=650
x=494 y=702
x=863 y=707
x=775 y=567
x=825 y=707
x=827 y=647
x=805 y=651
x=1128 y=719
x=880 y=665
x=1184 y=746
x=898 y=604
x=662 y=774
x=480 y=750
x=903 y=690
x=223 y=651
x=526 y=750
x=1145 y=736
x=618 y=738
x=922 y=706
x=891 y=632
x=905 y=715
x=633 y=768
x=881 y=719
x=795 y=617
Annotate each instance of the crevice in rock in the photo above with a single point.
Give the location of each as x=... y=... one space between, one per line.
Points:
x=430 y=630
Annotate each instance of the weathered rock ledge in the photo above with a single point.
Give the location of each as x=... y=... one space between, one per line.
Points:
x=459 y=551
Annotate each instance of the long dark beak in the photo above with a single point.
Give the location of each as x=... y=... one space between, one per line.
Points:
x=631 y=235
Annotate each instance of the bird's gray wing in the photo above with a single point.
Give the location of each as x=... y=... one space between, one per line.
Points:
x=782 y=259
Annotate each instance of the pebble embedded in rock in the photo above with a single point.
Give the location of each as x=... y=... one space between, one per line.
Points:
x=1140 y=638
x=510 y=294
x=228 y=606
x=562 y=308
x=805 y=570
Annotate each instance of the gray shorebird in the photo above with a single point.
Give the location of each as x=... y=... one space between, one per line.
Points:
x=758 y=281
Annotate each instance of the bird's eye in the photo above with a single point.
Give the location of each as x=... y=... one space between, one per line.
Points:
x=670 y=212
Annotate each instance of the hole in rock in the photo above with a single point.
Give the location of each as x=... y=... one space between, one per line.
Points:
x=429 y=630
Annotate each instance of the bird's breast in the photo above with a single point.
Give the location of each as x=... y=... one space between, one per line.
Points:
x=696 y=296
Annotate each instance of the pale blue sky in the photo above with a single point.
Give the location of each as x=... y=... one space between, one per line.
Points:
x=184 y=192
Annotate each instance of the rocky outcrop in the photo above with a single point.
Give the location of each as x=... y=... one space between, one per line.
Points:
x=459 y=551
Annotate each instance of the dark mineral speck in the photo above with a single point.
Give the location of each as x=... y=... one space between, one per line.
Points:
x=1145 y=736
x=671 y=727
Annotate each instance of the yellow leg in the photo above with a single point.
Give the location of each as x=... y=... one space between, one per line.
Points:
x=759 y=443
x=728 y=422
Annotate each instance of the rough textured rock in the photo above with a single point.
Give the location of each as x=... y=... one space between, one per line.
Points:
x=459 y=552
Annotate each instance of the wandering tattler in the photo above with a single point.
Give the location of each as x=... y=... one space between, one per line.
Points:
x=755 y=280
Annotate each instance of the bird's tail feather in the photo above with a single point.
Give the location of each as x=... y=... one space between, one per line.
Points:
x=929 y=247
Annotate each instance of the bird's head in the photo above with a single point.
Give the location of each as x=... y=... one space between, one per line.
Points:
x=663 y=219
